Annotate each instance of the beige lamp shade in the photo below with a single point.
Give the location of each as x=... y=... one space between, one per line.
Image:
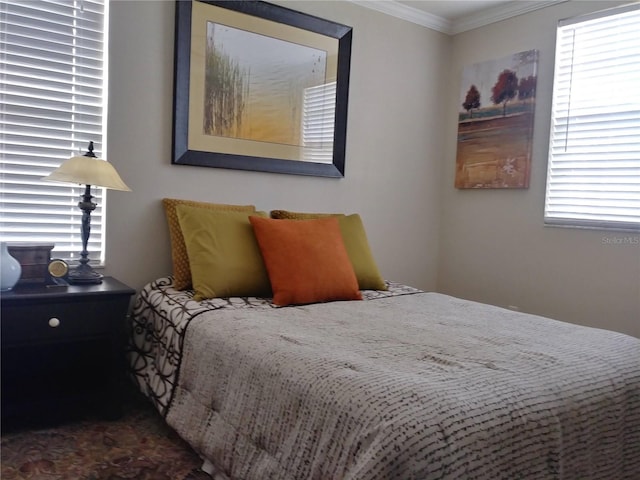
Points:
x=88 y=171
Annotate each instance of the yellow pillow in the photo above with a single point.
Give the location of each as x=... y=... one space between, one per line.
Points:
x=355 y=241
x=181 y=269
x=306 y=260
x=224 y=256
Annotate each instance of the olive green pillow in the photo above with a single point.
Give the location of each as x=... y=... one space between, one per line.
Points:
x=357 y=245
x=179 y=257
x=224 y=256
x=355 y=241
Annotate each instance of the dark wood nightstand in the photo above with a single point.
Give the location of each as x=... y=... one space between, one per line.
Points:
x=63 y=352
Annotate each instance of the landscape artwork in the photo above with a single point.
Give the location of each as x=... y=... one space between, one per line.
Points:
x=495 y=122
x=255 y=85
x=260 y=87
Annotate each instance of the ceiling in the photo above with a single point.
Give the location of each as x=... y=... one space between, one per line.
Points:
x=455 y=16
x=452 y=9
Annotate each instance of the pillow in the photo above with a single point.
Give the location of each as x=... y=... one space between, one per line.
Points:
x=285 y=214
x=356 y=243
x=306 y=260
x=181 y=269
x=224 y=256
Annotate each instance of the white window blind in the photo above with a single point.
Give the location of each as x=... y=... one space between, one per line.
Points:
x=318 y=121
x=593 y=177
x=52 y=94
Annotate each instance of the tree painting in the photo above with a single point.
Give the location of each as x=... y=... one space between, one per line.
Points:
x=505 y=89
x=494 y=139
x=527 y=88
x=472 y=100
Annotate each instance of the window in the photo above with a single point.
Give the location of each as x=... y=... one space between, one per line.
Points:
x=593 y=177
x=318 y=118
x=52 y=103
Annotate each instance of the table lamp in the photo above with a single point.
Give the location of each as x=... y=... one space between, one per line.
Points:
x=88 y=170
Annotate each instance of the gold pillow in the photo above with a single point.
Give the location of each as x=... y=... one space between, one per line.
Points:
x=285 y=214
x=355 y=241
x=179 y=258
x=224 y=255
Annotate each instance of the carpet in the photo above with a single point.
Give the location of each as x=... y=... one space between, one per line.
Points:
x=139 y=445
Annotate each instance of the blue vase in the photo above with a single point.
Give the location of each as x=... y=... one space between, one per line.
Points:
x=10 y=269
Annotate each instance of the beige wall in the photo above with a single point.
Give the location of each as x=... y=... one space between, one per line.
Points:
x=393 y=157
x=494 y=247
x=489 y=246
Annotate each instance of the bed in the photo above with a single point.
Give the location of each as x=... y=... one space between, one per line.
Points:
x=277 y=350
x=403 y=384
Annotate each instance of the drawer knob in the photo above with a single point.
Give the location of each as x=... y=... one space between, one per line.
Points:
x=54 y=322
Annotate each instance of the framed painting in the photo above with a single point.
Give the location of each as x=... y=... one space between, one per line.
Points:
x=495 y=122
x=260 y=87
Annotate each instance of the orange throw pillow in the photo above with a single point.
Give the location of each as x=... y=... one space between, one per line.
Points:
x=306 y=260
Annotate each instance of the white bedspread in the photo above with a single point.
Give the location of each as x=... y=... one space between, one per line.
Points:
x=420 y=386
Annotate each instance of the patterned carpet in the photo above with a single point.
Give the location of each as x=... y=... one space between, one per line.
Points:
x=137 y=446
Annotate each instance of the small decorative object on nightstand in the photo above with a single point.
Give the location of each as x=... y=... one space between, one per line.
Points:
x=10 y=269
x=58 y=268
x=62 y=351
x=33 y=258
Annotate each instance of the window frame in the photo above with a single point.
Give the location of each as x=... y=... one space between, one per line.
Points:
x=553 y=193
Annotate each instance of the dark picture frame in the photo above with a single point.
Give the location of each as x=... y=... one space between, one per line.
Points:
x=240 y=152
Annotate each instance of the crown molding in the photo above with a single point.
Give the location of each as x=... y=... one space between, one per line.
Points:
x=463 y=24
x=410 y=14
x=498 y=13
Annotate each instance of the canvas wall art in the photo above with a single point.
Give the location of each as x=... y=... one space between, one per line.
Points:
x=495 y=122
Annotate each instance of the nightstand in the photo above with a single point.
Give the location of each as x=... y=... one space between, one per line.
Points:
x=63 y=352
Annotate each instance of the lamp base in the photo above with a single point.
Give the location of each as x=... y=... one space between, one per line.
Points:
x=83 y=274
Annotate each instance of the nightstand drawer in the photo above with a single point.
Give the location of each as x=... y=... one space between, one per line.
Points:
x=62 y=320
